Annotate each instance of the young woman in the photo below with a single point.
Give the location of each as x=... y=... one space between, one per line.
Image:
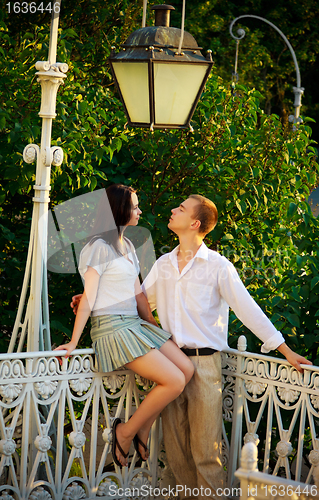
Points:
x=124 y=332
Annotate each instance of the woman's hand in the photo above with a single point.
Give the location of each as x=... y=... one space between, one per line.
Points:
x=91 y=278
x=69 y=347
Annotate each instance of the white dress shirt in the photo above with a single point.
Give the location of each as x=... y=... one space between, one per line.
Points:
x=194 y=305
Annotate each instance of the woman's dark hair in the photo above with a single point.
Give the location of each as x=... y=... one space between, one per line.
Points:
x=109 y=226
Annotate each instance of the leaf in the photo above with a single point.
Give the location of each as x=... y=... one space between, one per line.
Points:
x=91 y=120
x=292 y=209
x=232 y=129
x=12 y=173
x=99 y=153
x=299 y=260
x=93 y=183
x=227 y=237
x=256 y=172
x=275 y=317
x=275 y=301
x=314 y=282
x=116 y=144
x=241 y=205
x=293 y=319
x=291 y=150
x=296 y=294
x=59 y=326
x=82 y=106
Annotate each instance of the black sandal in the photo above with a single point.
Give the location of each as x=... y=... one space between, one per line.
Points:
x=137 y=441
x=115 y=444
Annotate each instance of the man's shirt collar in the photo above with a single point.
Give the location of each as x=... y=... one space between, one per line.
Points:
x=202 y=253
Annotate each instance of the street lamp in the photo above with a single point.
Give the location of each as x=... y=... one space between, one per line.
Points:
x=298 y=90
x=160 y=79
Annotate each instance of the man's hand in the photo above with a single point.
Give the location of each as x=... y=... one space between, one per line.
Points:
x=294 y=359
x=75 y=302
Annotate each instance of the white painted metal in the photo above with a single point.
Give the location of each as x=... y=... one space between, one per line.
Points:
x=55 y=423
x=298 y=90
x=270 y=388
x=34 y=326
x=144 y=13
x=39 y=460
x=179 y=51
x=51 y=395
x=261 y=486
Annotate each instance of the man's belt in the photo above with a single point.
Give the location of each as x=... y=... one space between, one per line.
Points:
x=202 y=351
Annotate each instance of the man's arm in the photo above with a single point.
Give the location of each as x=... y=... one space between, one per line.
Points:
x=143 y=307
x=149 y=287
x=251 y=315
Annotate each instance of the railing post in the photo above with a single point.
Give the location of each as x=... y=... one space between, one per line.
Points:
x=236 y=434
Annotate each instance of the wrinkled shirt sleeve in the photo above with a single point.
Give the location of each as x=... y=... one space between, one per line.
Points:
x=246 y=309
x=96 y=256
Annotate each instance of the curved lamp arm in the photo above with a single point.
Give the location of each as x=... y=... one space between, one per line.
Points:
x=298 y=90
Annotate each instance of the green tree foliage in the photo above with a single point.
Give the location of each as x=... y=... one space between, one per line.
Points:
x=254 y=166
x=264 y=59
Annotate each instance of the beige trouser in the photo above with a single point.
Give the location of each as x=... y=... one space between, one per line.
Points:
x=192 y=428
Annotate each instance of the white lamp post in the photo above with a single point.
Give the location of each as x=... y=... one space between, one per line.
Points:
x=298 y=90
x=34 y=327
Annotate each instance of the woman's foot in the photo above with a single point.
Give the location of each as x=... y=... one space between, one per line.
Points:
x=121 y=444
x=141 y=446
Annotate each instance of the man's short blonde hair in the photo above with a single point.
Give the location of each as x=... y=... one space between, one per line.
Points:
x=206 y=212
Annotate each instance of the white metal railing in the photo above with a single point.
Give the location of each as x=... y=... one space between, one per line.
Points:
x=52 y=418
x=55 y=423
x=260 y=486
x=271 y=403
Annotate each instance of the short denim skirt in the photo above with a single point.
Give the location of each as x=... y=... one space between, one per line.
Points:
x=119 y=339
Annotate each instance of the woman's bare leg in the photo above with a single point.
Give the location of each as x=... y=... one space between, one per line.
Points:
x=170 y=369
x=174 y=354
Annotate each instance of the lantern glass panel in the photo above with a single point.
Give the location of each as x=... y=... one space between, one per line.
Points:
x=133 y=82
x=176 y=87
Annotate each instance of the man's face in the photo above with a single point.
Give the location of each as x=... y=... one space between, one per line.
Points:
x=182 y=217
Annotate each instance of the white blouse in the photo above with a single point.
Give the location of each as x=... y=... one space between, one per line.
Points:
x=116 y=293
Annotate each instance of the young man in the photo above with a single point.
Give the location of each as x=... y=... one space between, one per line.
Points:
x=192 y=288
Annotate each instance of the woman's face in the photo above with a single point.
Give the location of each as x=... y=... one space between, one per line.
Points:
x=135 y=212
